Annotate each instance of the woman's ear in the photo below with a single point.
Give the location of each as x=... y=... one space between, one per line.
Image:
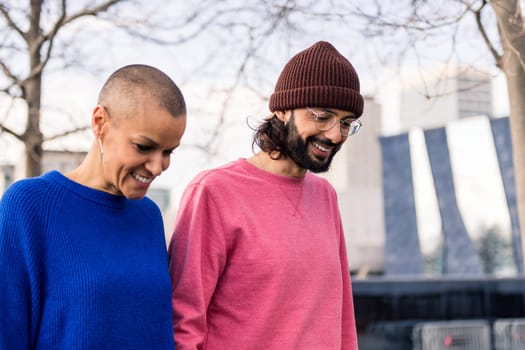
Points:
x=99 y=118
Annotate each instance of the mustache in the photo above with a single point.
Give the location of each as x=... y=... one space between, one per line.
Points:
x=324 y=141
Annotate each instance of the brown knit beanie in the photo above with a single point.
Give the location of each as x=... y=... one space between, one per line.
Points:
x=318 y=77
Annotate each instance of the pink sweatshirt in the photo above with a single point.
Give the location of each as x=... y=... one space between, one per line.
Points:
x=258 y=261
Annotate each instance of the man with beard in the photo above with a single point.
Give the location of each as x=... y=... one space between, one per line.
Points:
x=257 y=257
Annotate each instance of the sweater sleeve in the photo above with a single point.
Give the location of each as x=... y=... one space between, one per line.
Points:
x=349 y=332
x=15 y=277
x=197 y=255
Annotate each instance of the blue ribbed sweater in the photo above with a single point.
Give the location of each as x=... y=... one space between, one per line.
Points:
x=81 y=269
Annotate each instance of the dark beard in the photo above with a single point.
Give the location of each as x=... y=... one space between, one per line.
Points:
x=297 y=150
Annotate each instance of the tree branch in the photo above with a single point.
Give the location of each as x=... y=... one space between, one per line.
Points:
x=67 y=133
x=255 y=42
x=512 y=30
x=9 y=74
x=477 y=13
x=4 y=128
x=216 y=15
x=60 y=23
x=11 y=23
x=412 y=23
x=95 y=11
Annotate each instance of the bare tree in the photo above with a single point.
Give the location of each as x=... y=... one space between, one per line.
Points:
x=500 y=28
x=46 y=36
x=511 y=62
x=24 y=34
x=492 y=29
x=240 y=41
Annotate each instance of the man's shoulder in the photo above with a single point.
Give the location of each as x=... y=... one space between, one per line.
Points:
x=318 y=179
x=220 y=173
x=320 y=183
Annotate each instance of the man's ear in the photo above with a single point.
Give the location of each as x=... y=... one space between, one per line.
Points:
x=282 y=115
x=99 y=119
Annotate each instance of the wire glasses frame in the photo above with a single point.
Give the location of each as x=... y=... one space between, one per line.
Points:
x=326 y=121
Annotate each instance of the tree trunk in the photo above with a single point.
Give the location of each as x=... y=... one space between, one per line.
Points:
x=33 y=137
x=512 y=33
x=516 y=87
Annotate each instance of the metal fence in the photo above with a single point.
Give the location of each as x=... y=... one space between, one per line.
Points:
x=509 y=334
x=443 y=335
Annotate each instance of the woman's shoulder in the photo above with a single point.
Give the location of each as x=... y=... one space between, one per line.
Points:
x=27 y=199
x=25 y=189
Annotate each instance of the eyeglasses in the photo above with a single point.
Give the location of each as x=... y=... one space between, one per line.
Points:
x=326 y=121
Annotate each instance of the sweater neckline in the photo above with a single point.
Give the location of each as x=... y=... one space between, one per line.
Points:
x=271 y=177
x=88 y=193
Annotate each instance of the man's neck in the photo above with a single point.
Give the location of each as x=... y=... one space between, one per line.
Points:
x=283 y=166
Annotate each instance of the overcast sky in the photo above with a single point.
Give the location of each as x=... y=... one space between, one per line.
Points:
x=75 y=91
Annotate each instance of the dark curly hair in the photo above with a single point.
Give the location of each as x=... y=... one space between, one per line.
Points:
x=271 y=136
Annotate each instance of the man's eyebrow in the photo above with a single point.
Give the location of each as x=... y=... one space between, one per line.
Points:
x=327 y=110
x=349 y=116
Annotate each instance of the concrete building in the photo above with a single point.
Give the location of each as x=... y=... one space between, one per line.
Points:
x=7 y=175
x=62 y=161
x=450 y=199
x=407 y=199
x=437 y=98
x=356 y=175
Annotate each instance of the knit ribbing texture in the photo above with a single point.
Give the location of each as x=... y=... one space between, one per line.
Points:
x=318 y=77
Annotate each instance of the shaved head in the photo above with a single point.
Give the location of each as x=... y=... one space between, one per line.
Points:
x=131 y=86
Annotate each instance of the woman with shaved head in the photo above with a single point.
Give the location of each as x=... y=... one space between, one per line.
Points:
x=83 y=262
